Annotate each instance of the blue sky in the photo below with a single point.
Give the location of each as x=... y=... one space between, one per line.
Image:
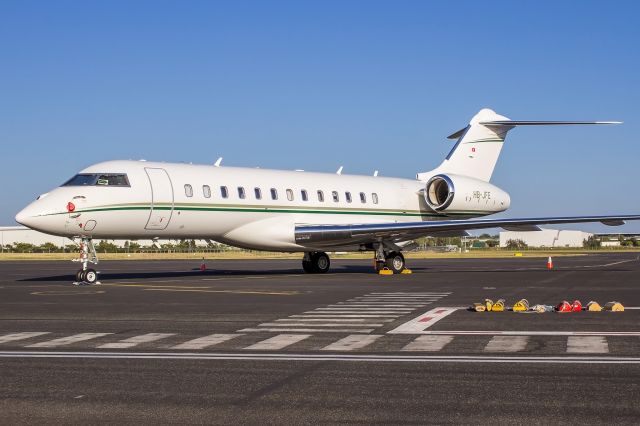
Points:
x=319 y=84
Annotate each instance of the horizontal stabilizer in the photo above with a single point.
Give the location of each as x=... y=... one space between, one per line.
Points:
x=542 y=123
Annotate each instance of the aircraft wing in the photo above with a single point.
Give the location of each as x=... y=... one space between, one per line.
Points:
x=335 y=235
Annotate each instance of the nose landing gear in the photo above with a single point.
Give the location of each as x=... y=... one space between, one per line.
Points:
x=86 y=275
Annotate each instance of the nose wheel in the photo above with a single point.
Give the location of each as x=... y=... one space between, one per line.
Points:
x=86 y=275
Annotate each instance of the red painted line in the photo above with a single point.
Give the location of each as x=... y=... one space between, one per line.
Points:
x=425 y=319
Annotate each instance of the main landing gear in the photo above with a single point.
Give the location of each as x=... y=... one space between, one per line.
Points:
x=390 y=260
x=86 y=275
x=316 y=262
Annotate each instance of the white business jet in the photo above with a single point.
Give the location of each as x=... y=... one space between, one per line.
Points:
x=291 y=211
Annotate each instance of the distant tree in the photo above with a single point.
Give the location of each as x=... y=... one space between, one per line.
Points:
x=516 y=244
x=106 y=247
x=134 y=247
x=49 y=248
x=484 y=236
x=24 y=247
x=591 y=243
x=635 y=242
x=491 y=243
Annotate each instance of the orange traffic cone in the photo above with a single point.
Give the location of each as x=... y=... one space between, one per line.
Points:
x=576 y=306
x=563 y=306
x=203 y=267
x=550 y=263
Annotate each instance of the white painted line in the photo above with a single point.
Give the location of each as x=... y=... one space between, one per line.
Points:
x=417 y=294
x=278 y=342
x=507 y=344
x=135 y=341
x=352 y=320
x=395 y=299
x=308 y=330
x=67 y=340
x=353 y=342
x=380 y=309
x=20 y=336
x=422 y=322
x=531 y=333
x=312 y=314
x=587 y=345
x=324 y=324
x=206 y=341
x=428 y=343
x=631 y=307
x=243 y=356
x=382 y=304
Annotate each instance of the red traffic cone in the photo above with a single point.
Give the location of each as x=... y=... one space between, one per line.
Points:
x=203 y=267
x=576 y=306
x=563 y=306
x=550 y=263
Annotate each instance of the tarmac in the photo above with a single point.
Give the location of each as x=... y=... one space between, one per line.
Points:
x=258 y=341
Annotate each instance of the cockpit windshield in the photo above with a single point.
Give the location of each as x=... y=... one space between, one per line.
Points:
x=98 y=179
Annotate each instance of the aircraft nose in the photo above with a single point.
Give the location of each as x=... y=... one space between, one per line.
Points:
x=23 y=217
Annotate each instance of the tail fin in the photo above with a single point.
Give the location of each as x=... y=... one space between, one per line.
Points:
x=476 y=152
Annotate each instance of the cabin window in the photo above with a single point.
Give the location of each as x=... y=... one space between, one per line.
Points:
x=289 y=194
x=188 y=190
x=206 y=191
x=363 y=197
x=274 y=194
x=104 y=179
x=335 y=196
x=347 y=195
x=258 y=193
x=224 y=192
x=321 y=196
x=241 y=193
x=304 y=195
x=374 y=198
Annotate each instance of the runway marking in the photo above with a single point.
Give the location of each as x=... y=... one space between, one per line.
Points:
x=353 y=342
x=243 y=356
x=266 y=293
x=21 y=336
x=587 y=345
x=278 y=342
x=308 y=330
x=529 y=333
x=507 y=344
x=68 y=340
x=66 y=292
x=428 y=343
x=442 y=294
x=333 y=319
x=206 y=341
x=325 y=324
x=314 y=314
x=356 y=312
x=419 y=324
x=135 y=341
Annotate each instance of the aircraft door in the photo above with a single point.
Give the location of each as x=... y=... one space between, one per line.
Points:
x=161 y=199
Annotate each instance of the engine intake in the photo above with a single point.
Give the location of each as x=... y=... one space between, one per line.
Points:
x=461 y=194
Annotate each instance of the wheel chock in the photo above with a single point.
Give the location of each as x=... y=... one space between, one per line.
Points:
x=521 y=305
x=576 y=306
x=593 y=307
x=498 y=306
x=406 y=271
x=478 y=307
x=563 y=306
x=517 y=254
x=488 y=304
x=614 y=307
x=385 y=271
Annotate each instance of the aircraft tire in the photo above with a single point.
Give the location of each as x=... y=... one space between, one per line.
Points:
x=79 y=275
x=321 y=262
x=307 y=266
x=90 y=276
x=395 y=262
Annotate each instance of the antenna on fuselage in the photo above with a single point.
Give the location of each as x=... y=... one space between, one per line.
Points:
x=339 y=172
x=218 y=162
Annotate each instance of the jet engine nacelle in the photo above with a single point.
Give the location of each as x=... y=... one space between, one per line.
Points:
x=455 y=193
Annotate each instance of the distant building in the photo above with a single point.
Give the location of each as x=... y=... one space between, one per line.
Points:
x=546 y=238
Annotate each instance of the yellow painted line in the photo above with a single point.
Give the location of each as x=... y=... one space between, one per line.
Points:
x=268 y=293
